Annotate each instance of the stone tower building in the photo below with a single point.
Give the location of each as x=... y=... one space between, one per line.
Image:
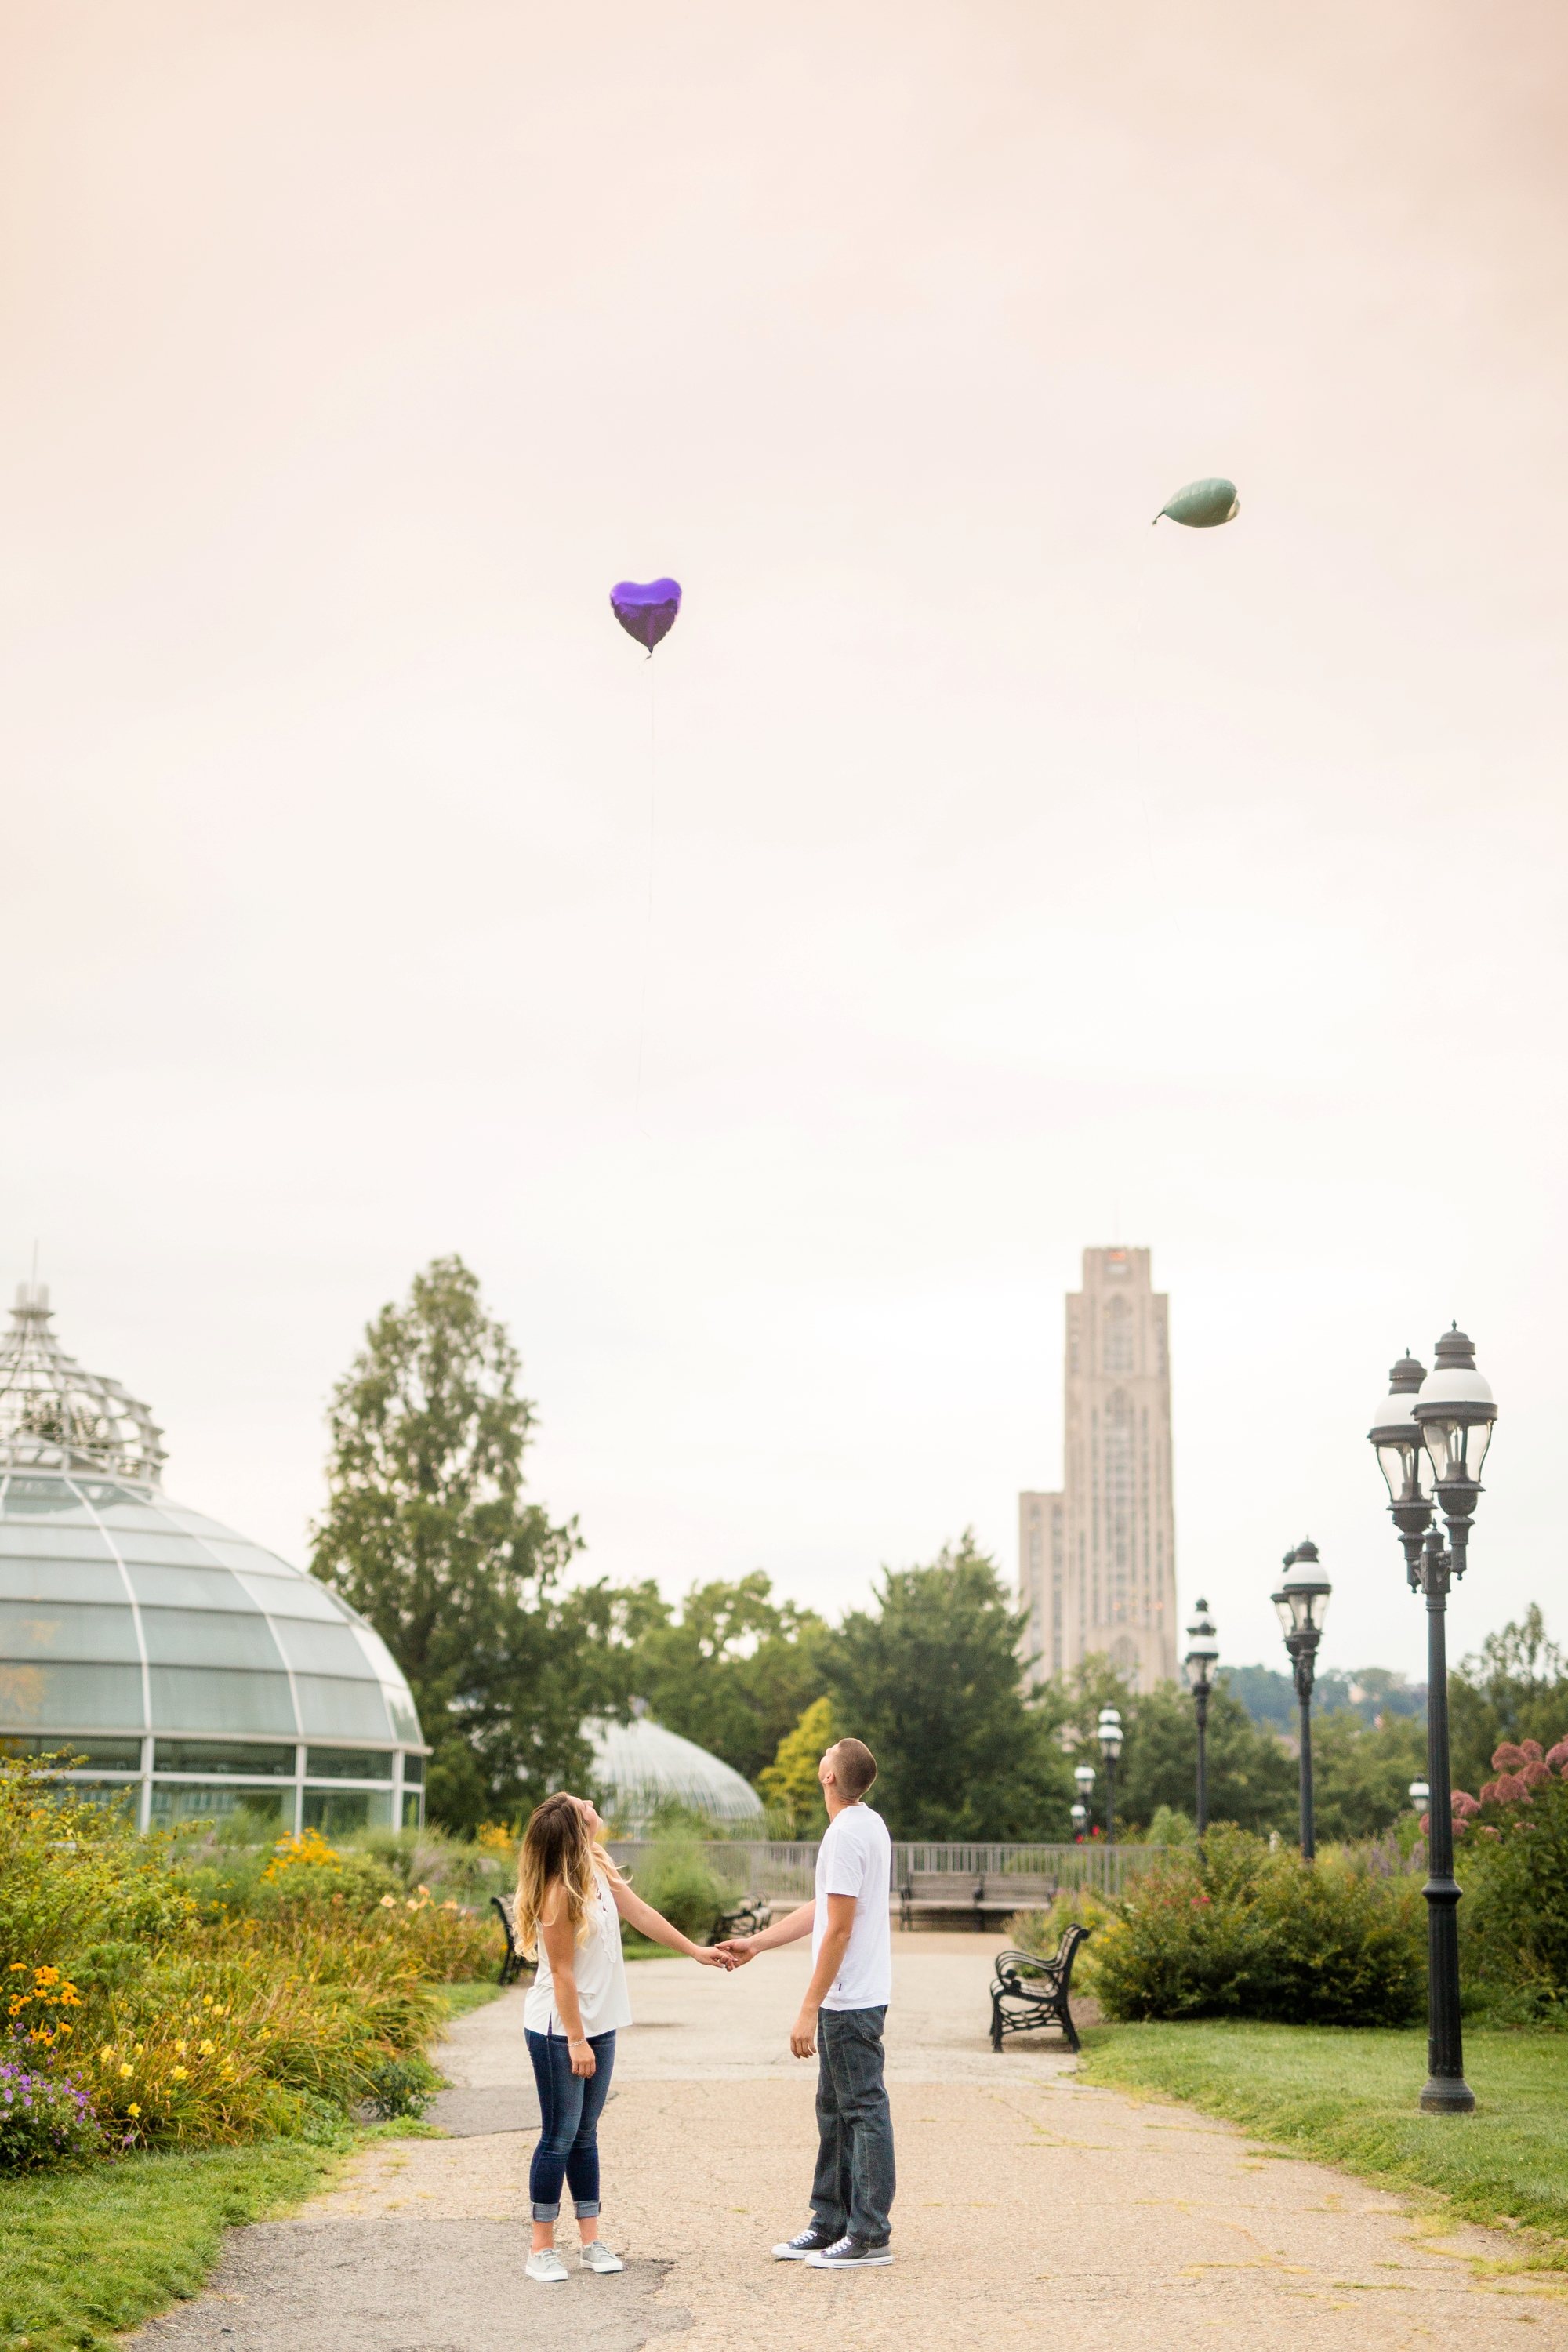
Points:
x=1096 y=1562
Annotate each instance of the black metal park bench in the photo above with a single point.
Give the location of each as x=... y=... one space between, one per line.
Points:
x=1030 y=1992
x=747 y=1918
x=517 y=1962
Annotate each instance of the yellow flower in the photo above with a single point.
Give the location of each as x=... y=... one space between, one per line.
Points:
x=133 y=2109
x=422 y=1890
x=107 y=2053
x=180 y=2074
x=126 y=2073
x=181 y=2047
x=389 y=1902
x=205 y=2049
x=18 y=1963
x=141 y=2046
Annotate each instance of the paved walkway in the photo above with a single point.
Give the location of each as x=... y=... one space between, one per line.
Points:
x=1030 y=2208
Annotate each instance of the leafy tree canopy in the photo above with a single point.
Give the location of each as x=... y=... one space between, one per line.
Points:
x=789 y=1785
x=427 y=1535
x=1515 y=1688
x=1251 y=1779
x=732 y=1668
x=930 y=1678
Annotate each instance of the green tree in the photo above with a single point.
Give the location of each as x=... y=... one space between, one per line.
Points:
x=427 y=1534
x=1251 y=1779
x=1361 y=1774
x=732 y=1669
x=930 y=1678
x=789 y=1784
x=1514 y=1688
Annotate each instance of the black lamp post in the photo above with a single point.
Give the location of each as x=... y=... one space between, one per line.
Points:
x=1303 y=1601
x=1111 y=1748
x=1433 y=1438
x=1084 y=1775
x=1200 y=1666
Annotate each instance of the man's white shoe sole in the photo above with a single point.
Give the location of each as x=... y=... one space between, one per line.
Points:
x=861 y=2261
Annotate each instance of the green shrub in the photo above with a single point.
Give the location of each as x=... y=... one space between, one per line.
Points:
x=680 y=1886
x=1230 y=1929
x=402 y=2087
x=1042 y=1931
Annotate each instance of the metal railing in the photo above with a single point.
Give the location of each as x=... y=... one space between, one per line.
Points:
x=781 y=1869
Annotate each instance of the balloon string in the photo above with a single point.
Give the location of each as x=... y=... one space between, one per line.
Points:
x=648 y=931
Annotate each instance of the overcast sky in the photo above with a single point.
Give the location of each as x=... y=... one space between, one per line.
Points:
x=1022 y=878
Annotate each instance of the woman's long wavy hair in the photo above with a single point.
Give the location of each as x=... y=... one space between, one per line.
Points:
x=556 y=1845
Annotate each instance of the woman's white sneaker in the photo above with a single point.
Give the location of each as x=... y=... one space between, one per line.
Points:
x=547 y=2267
x=597 y=2256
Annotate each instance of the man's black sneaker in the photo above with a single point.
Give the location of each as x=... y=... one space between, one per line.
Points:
x=799 y=2250
x=849 y=2253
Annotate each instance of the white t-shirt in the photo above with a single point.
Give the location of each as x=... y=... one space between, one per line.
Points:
x=598 y=1969
x=855 y=1858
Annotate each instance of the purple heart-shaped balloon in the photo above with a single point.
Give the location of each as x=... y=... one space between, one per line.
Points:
x=646 y=610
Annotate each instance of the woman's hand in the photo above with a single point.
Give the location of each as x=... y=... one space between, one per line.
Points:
x=710 y=1957
x=584 y=2061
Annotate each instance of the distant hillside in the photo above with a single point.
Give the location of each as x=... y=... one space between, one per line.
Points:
x=1270 y=1696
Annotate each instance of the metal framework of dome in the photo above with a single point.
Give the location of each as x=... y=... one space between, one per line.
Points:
x=191 y=1670
x=55 y=1416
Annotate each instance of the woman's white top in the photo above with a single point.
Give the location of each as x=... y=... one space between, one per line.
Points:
x=600 y=1970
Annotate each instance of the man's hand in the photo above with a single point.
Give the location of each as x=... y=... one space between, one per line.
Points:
x=737 y=1950
x=803 y=2034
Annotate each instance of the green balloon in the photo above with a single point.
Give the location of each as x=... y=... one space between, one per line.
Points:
x=1201 y=505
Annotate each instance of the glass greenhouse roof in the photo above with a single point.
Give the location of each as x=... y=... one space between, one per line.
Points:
x=124 y=1613
x=636 y=1764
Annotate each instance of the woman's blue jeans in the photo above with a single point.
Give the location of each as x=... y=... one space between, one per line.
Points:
x=569 y=2109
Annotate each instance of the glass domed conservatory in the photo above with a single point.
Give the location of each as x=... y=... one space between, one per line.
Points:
x=638 y=1766
x=189 y=1667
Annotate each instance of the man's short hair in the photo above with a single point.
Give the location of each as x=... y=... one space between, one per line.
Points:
x=854 y=1766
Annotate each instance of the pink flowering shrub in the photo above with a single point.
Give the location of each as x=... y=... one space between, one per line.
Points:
x=1514 y=1917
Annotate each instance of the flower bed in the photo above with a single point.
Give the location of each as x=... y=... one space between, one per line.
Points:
x=156 y=1998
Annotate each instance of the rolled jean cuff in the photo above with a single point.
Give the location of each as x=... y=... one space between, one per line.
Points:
x=585 y=2208
x=548 y=2212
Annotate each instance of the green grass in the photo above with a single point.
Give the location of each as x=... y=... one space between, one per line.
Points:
x=83 y=2253
x=459 y=1998
x=1350 y=2098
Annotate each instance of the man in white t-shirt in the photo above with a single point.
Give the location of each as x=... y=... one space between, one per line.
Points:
x=841 y=2020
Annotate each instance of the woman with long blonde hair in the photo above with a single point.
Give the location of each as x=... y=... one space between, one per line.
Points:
x=570 y=1900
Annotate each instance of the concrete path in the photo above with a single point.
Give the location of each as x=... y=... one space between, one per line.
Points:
x=1030 y=2208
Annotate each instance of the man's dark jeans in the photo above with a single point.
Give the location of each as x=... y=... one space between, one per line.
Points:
x=569 y=2108
x=853 y=2189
